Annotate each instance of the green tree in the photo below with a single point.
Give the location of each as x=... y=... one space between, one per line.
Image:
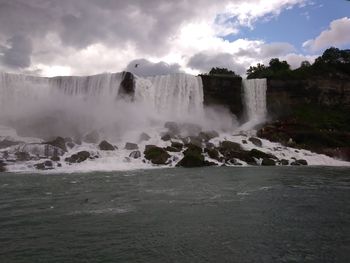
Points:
x=222 y=71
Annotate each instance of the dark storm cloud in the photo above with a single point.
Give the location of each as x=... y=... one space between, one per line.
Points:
x=143 y=67
x=18 y=54
x=204 y=62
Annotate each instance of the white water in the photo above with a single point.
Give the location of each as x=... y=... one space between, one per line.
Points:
x=177 y=95
x=254 y=94
x=74 y=106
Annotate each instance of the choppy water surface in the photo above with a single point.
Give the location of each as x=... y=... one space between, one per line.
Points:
x=177 y=215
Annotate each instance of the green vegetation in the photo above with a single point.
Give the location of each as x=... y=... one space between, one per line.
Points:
x=333 y=63
x=222 y=72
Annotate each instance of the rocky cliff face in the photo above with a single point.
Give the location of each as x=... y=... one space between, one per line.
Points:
x=223 y=90
x=284 y=95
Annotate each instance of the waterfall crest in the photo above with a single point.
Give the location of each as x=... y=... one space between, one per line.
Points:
x=177 y=95
x=254 y=94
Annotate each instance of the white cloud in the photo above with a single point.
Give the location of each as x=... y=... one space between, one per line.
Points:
x=337 y=34
x=89 y=36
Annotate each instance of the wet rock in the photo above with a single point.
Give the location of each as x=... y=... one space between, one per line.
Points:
x=177 y=145
x=70 y=145
x=299 y=162
x=257 y=142
x=261 y=155
x=59 y=142
x=172 y=149
x=212 y=153
x=2 y=166
x=208 y=135
x=106 y=146
x=226 y=146
x=192 y=157
x=55 y=158
x=22 y=156
x=156 y=154
x=131 y=146
x=48 y=164
x=268 y=162
x=92 y=137
x=284 y=162
x=40 y=166
x=135 y=154
x=244 y=142
x=166 y=137
x=193 y=140
x=144 y=137
x=78 y=157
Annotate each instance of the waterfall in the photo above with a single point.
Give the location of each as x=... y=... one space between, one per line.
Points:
x=72 y=106
x=176 y=95
x=254 y=94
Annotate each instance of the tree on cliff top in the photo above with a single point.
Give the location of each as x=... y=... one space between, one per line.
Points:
x=275 y=68
x=222 y=71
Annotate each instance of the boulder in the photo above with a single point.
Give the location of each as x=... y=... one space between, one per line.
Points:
x=208 y=135
x=268 y=162
x=228 y=146
x=261 y=155
x=78 y=157
x=156 y=154
x=40 y=166
x=192 y=157
x=284 y=162
x=135 y=154
x=212 y=153
x=48 y=163
x=172 y=149
x=55 y=158
x=299 y=162
x=106 y=146
x=131 y=146
x=257 y=142
x=166 y=137
x=144 y=137
x=193 y=140
x=59 y=142
x=177 y=145
x=2 y=167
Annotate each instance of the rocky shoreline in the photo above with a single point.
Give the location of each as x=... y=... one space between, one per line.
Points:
x=172 y=149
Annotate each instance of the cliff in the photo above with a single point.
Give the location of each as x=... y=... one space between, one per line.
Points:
x=223 y=90
x=284 y=95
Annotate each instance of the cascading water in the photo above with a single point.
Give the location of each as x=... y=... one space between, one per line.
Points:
x=176 y=96
x=254 y=94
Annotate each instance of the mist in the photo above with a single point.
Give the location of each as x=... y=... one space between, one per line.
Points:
x=76 y=106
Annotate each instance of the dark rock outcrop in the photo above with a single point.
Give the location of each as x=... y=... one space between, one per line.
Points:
x=268 y=162
x=59 y=142
x=284 y=95
x=156 y=154
x=223 y=90
x=192 y=157
x=144 y=137
x=135 y=154
x=257 y=142
x=106 y=146
x=131 y=146
x=299 y=162
x=78 y=157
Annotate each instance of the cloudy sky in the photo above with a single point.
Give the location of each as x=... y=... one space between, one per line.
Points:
x=80 y=37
